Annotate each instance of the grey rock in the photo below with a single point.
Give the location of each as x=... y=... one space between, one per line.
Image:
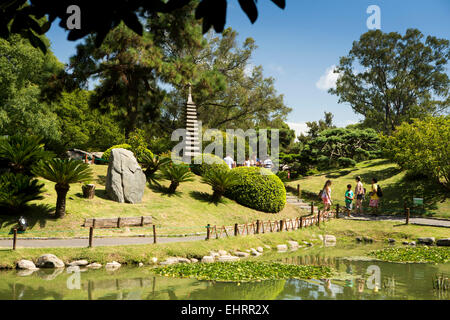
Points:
x=241 y=254
x=140 y=265
x=329 y=238
x=49 y=261
x=293 y=244
x=72 y=269
x=79 y=263
x=193 y=260
x=125 y=181
x=390 y=240
x=228 y=258
x=443 y=242
x=207 y=259
x=169 y=261
x=222 y=253
x=260 y=249
x=113 y=265
x=427 y=240
x=184 y=260
x=282 y=247
x=214 y=254
x=94 y=265
x=412 y=243
x=267 y=247
x=359 y=239
x=26 y=265
x=405 y=243
x=367 y=239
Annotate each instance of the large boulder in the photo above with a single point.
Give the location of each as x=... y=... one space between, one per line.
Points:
x=443 y=242
x=26 y=264
x=49 y=261
x=125 y=181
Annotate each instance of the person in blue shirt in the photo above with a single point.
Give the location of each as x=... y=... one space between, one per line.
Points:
x=349 y=199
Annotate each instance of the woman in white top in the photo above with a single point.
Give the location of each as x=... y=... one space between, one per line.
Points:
x=247 y=162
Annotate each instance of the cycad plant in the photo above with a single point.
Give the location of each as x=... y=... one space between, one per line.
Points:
x=22 y=152
x=63 y=173
x=16 y=190
x=220 y=181
x=152 y=163
x=176 y=174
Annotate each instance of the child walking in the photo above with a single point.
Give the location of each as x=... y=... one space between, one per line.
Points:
x=326 y=196
x=349 y=196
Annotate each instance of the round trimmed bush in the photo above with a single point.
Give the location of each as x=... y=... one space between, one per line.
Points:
x=126 y=146
x=259 y=189
x=208 y=162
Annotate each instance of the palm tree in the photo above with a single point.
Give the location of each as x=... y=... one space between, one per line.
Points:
x=22 y=152
x=63 y=173
x=153 y=163
x=220 y=180
x=176 y=174
x=16 y=190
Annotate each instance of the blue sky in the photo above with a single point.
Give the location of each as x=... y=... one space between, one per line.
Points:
x=298 y=45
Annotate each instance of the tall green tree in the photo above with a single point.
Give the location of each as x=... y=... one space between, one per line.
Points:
x=389 y=78
x=132 y=71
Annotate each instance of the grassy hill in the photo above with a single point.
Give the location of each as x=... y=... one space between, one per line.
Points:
x=187 y=211
x=396 y=185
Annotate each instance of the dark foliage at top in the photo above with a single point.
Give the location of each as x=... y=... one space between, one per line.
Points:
x=101 y=16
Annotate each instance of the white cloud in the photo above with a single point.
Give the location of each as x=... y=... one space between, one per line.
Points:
x=298 y=127
x=328 y=80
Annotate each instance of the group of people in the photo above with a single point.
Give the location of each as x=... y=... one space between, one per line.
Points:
x=249 y=162
x=359 y=193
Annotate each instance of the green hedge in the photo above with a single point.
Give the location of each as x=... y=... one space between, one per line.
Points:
x=263 y=192
x=126 y=146
x=208 y=162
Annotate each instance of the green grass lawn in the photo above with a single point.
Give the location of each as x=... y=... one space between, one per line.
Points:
x=395 y=184
x=187 y=211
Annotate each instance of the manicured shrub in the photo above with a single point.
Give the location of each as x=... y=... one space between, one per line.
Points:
x=16 y=190
x=208 y=162
x=346 y=162
x=137 y=153
x=258 y=189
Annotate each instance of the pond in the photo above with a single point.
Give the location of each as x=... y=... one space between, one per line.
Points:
x=357 y=278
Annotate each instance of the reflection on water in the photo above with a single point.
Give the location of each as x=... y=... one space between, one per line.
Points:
x=356 y=279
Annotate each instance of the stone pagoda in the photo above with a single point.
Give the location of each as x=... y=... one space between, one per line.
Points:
x=192 y=143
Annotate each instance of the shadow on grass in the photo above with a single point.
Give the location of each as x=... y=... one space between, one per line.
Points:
x=101 y=193
x=338 y=174
x=163 y=190
x=379 y=174
x=205 y=197
x=34 y=214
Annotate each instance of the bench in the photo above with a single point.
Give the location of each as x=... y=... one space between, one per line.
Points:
x=108 y=223
x=105 y=223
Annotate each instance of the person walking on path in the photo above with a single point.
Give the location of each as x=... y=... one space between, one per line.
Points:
x=229 y=161
x=359 y=192
x=374 y=199
x=326 y=196
x=349 y=196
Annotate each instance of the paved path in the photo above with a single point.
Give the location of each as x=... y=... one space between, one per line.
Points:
x=299 y=203
x=97 y=242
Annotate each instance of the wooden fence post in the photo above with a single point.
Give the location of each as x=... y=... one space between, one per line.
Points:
x=312 y=207
x=154 y=234
x=118 y=222
x=318 y=218
x=337 y=211
x=281 y=225
x=142 y=221
x=258 y=225
x=91 y=235
x=208 y=231
x=236 y=229
x=301 y=222
x=407 y=215
x=14 y=238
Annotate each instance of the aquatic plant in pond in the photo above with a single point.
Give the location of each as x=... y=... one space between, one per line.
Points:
x=413 y=254
x=244 y=271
